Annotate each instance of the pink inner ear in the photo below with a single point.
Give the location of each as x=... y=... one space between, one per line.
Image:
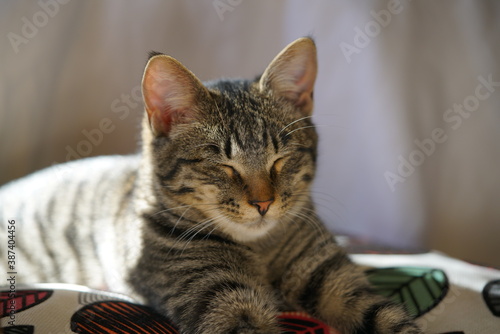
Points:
x=168 y=90
x=156 y=92
x=300 y=92
x=157 y=89
x=305 y=77
x=292 y=74
x=161 y=122
x=305 y=81
x=304 y=85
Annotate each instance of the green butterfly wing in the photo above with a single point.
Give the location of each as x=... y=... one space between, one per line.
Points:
x=419 y=289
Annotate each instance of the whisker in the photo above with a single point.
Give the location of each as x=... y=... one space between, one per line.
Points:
x=203 y=226
x=178 y=220
x=315 y=225
x=321 y=205
x=291 y=123
x=184 y=235
x=209 y=233
x=193 y=228
x=325 y=197
x=316 y=126
x=301 y=128
x=167 y=210
x=183 y=206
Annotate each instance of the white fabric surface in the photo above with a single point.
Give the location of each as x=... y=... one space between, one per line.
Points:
x=81 y=61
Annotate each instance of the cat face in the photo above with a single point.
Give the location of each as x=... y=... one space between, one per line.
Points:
x=242 y=153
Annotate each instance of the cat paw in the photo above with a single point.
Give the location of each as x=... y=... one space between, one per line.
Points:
x=393 y=320
x=244 y=330
x=254 y=331
x=247 y=327
x=411 y=330
x=242 y=324
x=381 y=318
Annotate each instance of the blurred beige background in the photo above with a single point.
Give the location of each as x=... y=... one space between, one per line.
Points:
x=407 y=99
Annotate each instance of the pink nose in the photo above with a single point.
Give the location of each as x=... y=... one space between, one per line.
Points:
x=262 y=206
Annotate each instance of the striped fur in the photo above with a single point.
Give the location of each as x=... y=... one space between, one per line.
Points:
x=212 y=223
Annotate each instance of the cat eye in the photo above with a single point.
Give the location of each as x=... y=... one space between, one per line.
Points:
x=230 y=170
x=278 y=165
x=213 y=148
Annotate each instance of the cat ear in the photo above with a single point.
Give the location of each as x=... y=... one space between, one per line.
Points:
x=292 y=73
x=171 y=93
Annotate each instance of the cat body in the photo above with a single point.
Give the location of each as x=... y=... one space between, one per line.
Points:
x=212 y=223
x=70 y=230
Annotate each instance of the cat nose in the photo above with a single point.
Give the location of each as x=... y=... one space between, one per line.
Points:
x=262 y=206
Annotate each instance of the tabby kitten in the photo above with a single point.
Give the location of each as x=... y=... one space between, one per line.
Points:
x=212 y=223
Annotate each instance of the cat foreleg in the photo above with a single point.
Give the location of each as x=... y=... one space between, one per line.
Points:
x=326 y=284
x=207 y=290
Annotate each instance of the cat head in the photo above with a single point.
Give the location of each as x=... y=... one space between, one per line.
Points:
x=241 y=153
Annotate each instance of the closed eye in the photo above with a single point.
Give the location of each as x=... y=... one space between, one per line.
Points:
x=231 y=171
x=214 y=149
x=278 y=165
